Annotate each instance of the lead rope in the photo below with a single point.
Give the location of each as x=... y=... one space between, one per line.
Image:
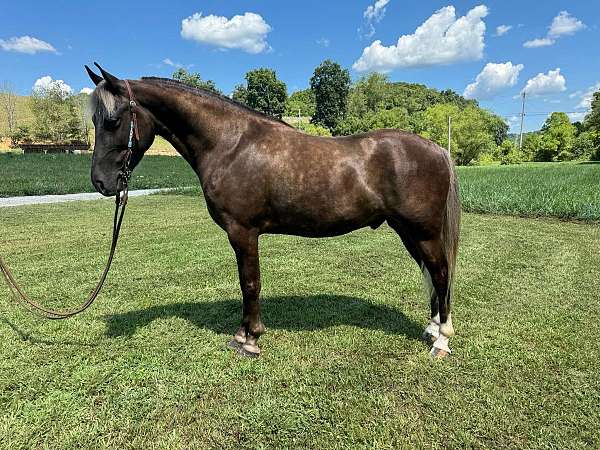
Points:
x=121 y=199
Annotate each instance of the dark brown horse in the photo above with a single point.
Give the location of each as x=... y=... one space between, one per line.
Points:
x=259 y=175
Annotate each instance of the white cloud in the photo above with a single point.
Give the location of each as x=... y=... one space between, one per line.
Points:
x=46 y=83
x=324 y=42
x=541 y=42
x=587 y=96
x=503 y=29
x=247 y=32
x=373 y=14
x=546 y=83
x=564 y=25
x=86 y=90
x=26 y=44
x=577 y=116
x=492 y=79
x=170 y=62
x=376 y=12
x=441 y=39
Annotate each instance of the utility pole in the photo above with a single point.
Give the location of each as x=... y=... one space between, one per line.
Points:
x=522 y=117
x=449 y=132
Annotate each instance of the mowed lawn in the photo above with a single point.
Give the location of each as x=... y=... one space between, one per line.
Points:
x=564 y=190
x=36 y=174
x=342 y=363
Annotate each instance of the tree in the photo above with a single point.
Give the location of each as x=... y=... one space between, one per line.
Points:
x=301 y=101
x=374 y=120
x=240 y=94
x=9 y=104
x=195 y=80
x=85 y=115
x=56 y=116
x=509 y=153
x=331 y=85
x=472 y=133
x=369 y=94
x=498 y=127
x=592 y=120
x=587 y=145
x=263 y=92
x=558 y=136
x=311 y=128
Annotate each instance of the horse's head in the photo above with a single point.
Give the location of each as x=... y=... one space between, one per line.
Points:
x=112 y=120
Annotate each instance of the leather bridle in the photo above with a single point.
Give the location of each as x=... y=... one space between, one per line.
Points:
x=121 y=199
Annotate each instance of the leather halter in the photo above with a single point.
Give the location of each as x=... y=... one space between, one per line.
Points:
x=121 y=198
x=125 y=173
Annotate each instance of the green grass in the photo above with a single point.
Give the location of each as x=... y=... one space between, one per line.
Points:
x=342 y=363
x=564 y=190
x=67 y=174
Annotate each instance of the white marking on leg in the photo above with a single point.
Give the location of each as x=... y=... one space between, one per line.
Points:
x=433 y=328
x=447 y=328
x=446 y=331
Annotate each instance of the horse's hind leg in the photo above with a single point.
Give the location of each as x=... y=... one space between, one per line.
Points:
x=245 y=245
x=436 y=264
x=432 y=331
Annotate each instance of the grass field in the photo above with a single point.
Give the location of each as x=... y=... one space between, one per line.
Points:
x=564 y=190
x=66 y=174
x=342 y=363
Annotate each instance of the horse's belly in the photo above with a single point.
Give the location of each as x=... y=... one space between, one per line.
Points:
x=325 y=217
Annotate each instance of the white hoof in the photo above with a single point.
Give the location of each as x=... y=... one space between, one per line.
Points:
x=441 y=343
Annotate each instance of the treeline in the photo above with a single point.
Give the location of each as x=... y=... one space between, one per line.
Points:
x=561 y=140
x=334 y=106
x=55 y=116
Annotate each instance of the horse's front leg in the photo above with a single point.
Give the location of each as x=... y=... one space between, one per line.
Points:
x=245 y=245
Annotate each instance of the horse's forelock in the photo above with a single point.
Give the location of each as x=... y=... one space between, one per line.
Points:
x=104 y=103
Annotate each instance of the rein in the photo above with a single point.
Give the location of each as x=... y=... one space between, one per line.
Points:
x=121 y=198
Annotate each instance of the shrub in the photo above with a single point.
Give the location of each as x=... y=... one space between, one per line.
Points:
x=509 y=153
x=485 y=159
x=586 y=145
x=315 y=130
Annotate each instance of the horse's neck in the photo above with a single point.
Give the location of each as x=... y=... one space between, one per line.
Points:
x=195 y=126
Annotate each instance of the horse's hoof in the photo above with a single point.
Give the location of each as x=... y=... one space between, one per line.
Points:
x=438 y=353
x=249 y=351
x=428 y=337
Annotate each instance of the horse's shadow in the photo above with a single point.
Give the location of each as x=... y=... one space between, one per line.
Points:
x=294 y=313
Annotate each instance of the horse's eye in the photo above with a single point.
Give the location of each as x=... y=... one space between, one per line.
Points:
x=112 y=123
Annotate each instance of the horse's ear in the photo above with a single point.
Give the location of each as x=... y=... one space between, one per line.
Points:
x=95 y=78
x=112 y=82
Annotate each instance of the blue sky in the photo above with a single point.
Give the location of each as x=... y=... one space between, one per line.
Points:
x=443 y=44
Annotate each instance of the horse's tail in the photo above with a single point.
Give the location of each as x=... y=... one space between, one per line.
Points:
x=450 y=234
x=451 y=223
